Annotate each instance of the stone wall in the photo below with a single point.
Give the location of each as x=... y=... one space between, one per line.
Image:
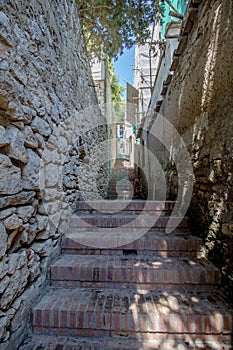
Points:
x=45 y=85
x=199 y=103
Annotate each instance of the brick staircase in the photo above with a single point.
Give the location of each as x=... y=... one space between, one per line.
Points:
x=152 y=292
x=124 y=183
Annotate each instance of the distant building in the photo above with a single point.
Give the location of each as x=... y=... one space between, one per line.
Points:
x=145 y=66
x=158 y=56
x=153 y=74
x=101 y=79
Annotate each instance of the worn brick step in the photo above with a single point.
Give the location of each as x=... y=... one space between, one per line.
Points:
x=164 y=342
x=121 y=186
x=146 y=222
x=124 y=211
x=125 y=207
x=150 y=244
x=124 y=195
x=111 y=238
x=133 y=271
x=102 y=313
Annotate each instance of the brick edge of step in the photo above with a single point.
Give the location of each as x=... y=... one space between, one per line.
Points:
x=50 y=342
x=115 y=272
x=152 y=244
x=52 y=316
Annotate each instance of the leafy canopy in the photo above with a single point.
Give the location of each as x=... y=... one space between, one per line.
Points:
x=110 y=26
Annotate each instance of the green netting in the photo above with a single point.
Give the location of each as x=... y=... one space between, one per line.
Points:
x=179 y=5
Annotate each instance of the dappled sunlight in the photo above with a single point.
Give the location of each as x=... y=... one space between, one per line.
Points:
x=173 y=303
x=156 y=264
x=211 y=58
x=176 y=319
x=195 y=300
x=200 y=105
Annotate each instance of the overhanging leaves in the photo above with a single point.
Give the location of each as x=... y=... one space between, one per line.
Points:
x=110 y=26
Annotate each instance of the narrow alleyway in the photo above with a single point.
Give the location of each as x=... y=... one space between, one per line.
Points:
x=127 y=290
x=120 y=272
x=124 y=182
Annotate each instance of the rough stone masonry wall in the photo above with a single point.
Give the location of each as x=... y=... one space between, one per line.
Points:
x=200 y=104
x=45 y=78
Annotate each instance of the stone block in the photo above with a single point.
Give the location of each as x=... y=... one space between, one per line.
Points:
x=15 y=287
x=52 y=175
x=39 y=125
x=4 y=283
x=5 y=29
x=50 y=232
x=30 y=138
x=25 y=213
x=30 y=173
x=10 y=177
x=3 y=267
x=34 y=268
x=42 y=222
x=43 y=249
x=24 y=237
x=16 y=262
x=7 y=212
x=4 y=141
x=13 y=222
x=16 y=147
x=4 y=323
x=3 y=100
x=19 y=198
x=3 y=240
x=11 y=238
x=41 y=142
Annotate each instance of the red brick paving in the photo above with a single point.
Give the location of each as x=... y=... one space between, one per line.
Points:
x=126 y=271
x=153 y=293
x=152 y=311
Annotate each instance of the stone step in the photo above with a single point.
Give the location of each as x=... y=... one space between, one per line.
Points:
x=150 y=244
x=153 y=223
x=120 y=183
x=122 y=172
x=127 y=313
x=123 y=207
x=133 y=271
x=121 y=186
x=124 y=195
x=163 y=342
x=125 y=281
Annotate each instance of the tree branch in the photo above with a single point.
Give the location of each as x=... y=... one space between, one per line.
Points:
x=94 y=8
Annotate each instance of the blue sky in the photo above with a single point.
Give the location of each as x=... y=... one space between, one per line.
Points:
x=123 y=67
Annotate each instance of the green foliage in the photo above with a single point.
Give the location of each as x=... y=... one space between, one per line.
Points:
x=110 y=26
x=120 y=110
x=117 y=93
x=117 y=89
